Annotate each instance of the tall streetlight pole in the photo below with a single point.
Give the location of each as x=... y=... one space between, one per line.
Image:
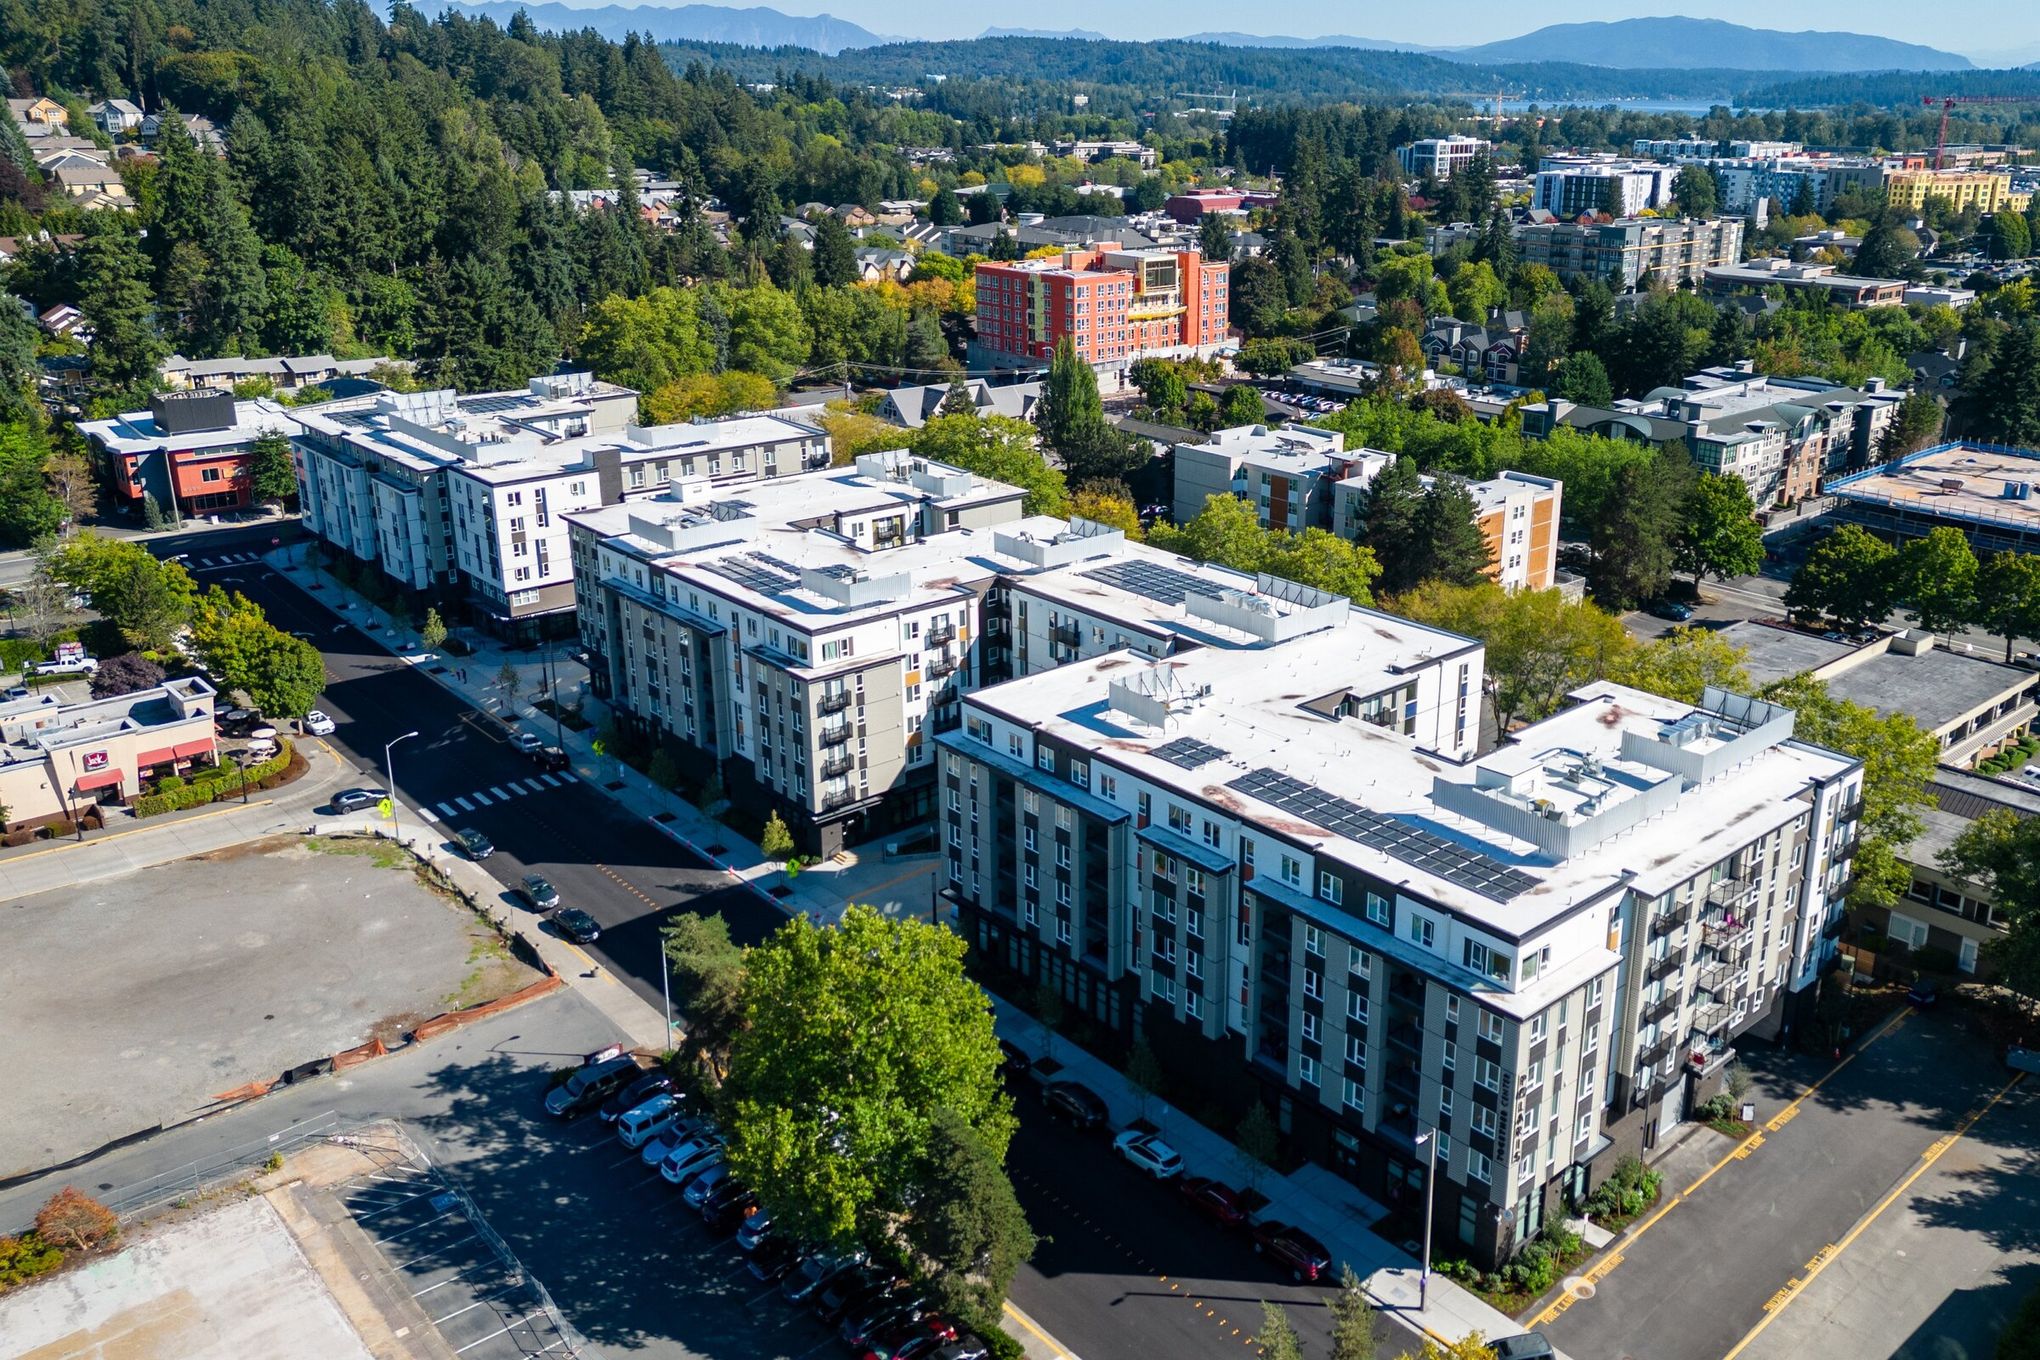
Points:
x=390 y=769
x=1429 y=1141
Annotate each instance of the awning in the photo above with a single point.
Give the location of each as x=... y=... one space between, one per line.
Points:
x=160 y=757
x=183 y=750
x=186 y=749
x=100 y=779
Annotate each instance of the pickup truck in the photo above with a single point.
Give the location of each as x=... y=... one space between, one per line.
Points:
x=76 y=665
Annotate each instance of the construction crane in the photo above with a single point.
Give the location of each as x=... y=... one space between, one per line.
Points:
x=1498 y=96
x=1948 y=103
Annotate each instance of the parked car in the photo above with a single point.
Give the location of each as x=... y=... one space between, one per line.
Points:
x=964 y=1348
x=1296 y=1251
x=15 y=692
x=356 y=800
x=817 y=1273
x=318 y=723
x=1668 y=609
x=1013 y=1060
x=774 y=1260
x=590 y=1086
x=1149 y=1153
x=1217 y=1202
x=539 y=892
x=916 y=1336
x=696 y=1192
x=637 y=1093
x=686 y=1160
x=1074 y=1101
x=1526 y=1346
x=860 y=1329
x=1923 y=993
x=649 y=1120
x=551 y=759
x=577 y=925
x=853 y=1291
x=725 y=1212
x=474 y=844
x=527 y=742
x=756 y=1230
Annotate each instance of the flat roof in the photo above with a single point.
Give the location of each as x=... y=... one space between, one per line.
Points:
x=1936 y=687
x=1963 y=481
x=1776 y=653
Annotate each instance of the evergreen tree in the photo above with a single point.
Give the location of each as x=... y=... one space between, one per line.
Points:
x=1802 y=198
x=927 y=350
x=835 y=257
x=1004 y=246
x=210 y=271
x=1450 y=545
x=943 y=209
x=1393 y=503
x=1215 y=237
x=1582 y=379
x=2002 y=403
x=1696 y=192
x=1635 y=536
x=113 y=293
x=956 y=401
x=19 y=341
x=1070 y=410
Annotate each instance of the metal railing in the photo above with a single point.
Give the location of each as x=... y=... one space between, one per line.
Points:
x=1654 y=1011
x=833 y=703
x=942 y=665
x=835 y=736
x=1665 y=922
x=1666 y=966
x=1069 y=635
x=837 y=766
x=1730 y=892
x=942 y=635
x=841 y=799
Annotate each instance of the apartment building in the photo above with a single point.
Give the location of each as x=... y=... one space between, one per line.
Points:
x=1942 y=910
x=1441 y=158
x=1623 y=251
x=1302 y=478
x=1092 y=151
x=1117 y=305
x=189 y=452
x=805 y=636
x=1987 y=191
x=459 y=499
x=1279 y=868
x=1567 y=186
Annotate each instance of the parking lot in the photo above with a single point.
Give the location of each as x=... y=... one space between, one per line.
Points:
x=195 y=977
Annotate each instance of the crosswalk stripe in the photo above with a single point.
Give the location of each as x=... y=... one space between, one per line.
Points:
x=481 y=799
x=428 y=814
x=535 y=785
x=551 y=781
x=446 y=809
x=501 y=796
x=465 y=805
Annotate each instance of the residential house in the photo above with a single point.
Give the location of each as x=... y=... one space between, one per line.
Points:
x=912 y=407
x=116 y=117
x=1492 y=351
x=38 y=117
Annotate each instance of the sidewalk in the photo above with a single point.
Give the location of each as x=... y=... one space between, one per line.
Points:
x=1312 y=1198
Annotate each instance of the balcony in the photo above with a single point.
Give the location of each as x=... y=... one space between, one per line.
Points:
x=942 y=635
x=1408 y=1038
x=835 y=767
x=1665 y=922
x=834 y=736
x=1732 y=892
x=1729 y=938
x=833 y=703
x=941 y=666
x=1665 y=967
x=1850 y=812
x=1066 y=635
x=1654 y=1011
x=1711 y=1017
x=837 y=798
x=1657 y=1052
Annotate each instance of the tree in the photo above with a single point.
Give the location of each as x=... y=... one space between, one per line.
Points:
x=1720 y=536
x=1682 y=664
x=1540 y=645
x=1144 y=1073
x=42 y=603
x=509 y=681
x=1475 y=290
x=1352 y=1319
x=74 y=1221
x=2008 y=597
x=1888 y=250
x=432 y=635
x=1450 y=545
x=852 y=1039
x=1225 y=531
x=1257 y=1142
x=19 y=341
x=1847 y=577
x=647 y=342
x=1215 y=237
x=1070 y=411
x=1695 y=191
x=1899 y=760
x=2008 y=237
x=708 y=972
x=285 y=675
x=1048 y=1014
x=1108 y=503
x=2000 y=852
x=1581 y=378
x=1277 y=1339
x=1161 y=385
x=967 y=1222
x=2002 y=401
x=835 y=253
x=113 y=293
x=1913 y=426
x=1393 y=501
x=68 y=476
x=776 y=841
x=998 y=447
x=272 y=471
x=944 y=210
x=1934 y=580
x=148 y=600
x=28 y=511
x=1324 y=561
x=1004 y=246
x=1635 y=535
x=956 y=401
x=125 y=674
x=1472 y=1346
x=1241 y=406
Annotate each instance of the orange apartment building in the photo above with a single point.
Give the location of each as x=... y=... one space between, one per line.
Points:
x=189 y=450
x=1116 y=305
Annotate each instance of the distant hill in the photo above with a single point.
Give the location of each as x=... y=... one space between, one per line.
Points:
x=681 y=23
x=1685 y=44
x=1328 y=40
x=1074 y=34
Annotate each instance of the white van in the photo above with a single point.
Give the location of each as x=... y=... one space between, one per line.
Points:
x=649 y=1120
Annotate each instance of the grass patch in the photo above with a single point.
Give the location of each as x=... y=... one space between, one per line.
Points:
x=383 y=854
x=488 y=959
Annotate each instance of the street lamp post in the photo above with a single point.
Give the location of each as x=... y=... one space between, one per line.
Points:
x=1430 y=1144
x=390 y=771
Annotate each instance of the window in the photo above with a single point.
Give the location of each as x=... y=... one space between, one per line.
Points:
x=1306 y=1070
x=1355 y=1099
x=1062 y=929
x=1487 y=1074
x=1356 y=1007
x=1313 y=940
x=1313 y=984
x=1479 y=1168
x=1330 y=887
x=1486 y=961
x=1423 y=931
x=1451 y=1062
x=1583 y=1130
x=1444 y=1109
x=1452 y=1009
x=1484 y=1120
x=1536 y=1029
x=1490 y=1025
x=1356 y=1051
x=1292 y=871
x=1533 y=1076
x=1045 y=758
x=1594 y=992
x=1444 y=1147
x=1309 y=1026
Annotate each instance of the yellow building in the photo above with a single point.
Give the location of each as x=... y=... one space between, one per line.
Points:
x=1981 y=189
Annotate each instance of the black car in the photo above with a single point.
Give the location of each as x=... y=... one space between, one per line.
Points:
x=637 y=1093
x=817 y=1273
x=538 y=890
x=860 y=1328
x=1076 y=1102
x=356 y=800
x=963 y=1348
x=590 y=1086
x=551 y=759
x=775 y=1258
x=1013 y=1060
x=577 y=925
x=1668 y=609
x=1923 y=993
x=850 y=1293
x=474 y=844
x=1527 y=1346
x=728 y=1207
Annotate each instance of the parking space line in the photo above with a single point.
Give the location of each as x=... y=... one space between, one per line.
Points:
x=1797 y=1286
x=451 y=1279
x=515 y=1322
x=481 y=1302
x=438 y=1251
x=413 y=1228
x=394 y=1204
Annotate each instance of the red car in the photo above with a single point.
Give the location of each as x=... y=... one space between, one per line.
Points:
x=1302 y=1255
x=912 y=1339
x=1216 y=1202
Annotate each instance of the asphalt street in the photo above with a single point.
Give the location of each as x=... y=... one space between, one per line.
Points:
x=1095 y=1281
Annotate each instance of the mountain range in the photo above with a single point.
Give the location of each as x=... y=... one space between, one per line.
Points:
x=1665 y=43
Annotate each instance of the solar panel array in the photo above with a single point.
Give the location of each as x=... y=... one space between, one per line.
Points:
x=1163 y=585
x=753 y=571
x=493 y=406
x=1419 y=849
x=1187 y=753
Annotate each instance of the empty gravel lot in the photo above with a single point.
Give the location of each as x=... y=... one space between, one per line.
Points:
x=132 y=1001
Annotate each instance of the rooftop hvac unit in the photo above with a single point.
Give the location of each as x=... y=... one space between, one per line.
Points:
x=2018 y=491
x=1951 y=484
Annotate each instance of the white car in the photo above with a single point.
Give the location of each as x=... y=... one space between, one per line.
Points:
x=684 y=1161
x=319 y=723
x=1149 y=1153
x=527 y=742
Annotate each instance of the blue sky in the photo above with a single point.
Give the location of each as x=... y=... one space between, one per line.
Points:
x=1972 y=27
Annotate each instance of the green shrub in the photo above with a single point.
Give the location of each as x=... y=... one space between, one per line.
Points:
x=1001 y=1344
x=169 y=782
x=2020 y=1339
x=215 y=785
x=25 y=1257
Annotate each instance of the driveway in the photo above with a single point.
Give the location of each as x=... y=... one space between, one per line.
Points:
x=1748 y=1230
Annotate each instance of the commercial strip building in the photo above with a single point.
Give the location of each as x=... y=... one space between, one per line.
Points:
x=1441 y=158
x=1116 y=305
x=1843 y=290
x=1303 y=478
x=189 y=451
x=1281 y=867
x=1985 y=490
x=1782 y=436
x=58 y=759
x=1973 y=705
x=459 y=499
x=1621 y=252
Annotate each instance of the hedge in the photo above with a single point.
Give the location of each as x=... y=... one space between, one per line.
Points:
x=215 y=787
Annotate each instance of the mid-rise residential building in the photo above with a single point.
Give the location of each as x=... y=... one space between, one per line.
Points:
x=1491 y=350
x=1441 y=158
x=1985 y=490
x=285 y=372
x=1782 y=436
x=1987 y=191
x=1623 y=251
x=1567 y=186
x=460 y=499
x=1282 y=868
x=1824 y=280
x=189 y=452
x=1089 y=151
x=1674 y=148
x=1116 y=305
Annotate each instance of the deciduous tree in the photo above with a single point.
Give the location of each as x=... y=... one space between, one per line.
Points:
x=1719 y=535
x=1847 y=577
x=966 y=1222
x=125 y=674
x=2000 y=852
x=1934 y=580
x=271 y=469
x=1682 y=664
x=999 y=447
x=1109 y=503
x=2008 y=597
x=1540 y=645
x=74 y=1221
